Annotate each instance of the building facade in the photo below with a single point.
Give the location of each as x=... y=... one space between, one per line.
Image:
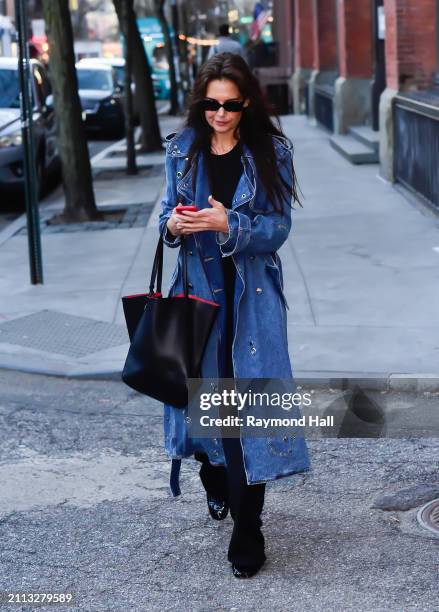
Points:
x=368 y=71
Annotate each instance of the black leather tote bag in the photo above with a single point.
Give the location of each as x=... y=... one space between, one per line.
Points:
x=168 y=337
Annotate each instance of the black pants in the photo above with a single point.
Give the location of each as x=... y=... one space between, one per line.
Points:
x=246 y=548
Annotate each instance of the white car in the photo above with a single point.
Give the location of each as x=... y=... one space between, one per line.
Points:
x=118 y=65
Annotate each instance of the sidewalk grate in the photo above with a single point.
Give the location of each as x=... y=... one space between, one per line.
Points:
x=119 y=217
x=61 y=333
x=428 y=516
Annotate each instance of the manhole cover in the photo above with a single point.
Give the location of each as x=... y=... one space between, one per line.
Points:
x=58 y=332
x=428 y=516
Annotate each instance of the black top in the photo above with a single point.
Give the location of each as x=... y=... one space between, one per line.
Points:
x=226 y=170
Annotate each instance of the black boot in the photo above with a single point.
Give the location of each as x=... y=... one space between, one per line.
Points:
x=214 y=479
x=218 y=509
x=244 y=573
x=247 y=546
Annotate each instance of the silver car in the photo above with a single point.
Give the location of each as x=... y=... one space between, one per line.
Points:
x=44 y=129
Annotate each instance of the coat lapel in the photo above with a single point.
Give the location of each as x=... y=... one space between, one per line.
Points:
x=245 y=190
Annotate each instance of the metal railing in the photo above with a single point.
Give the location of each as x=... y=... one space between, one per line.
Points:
x=306 y=95
x=324 y=105
x=416 y=145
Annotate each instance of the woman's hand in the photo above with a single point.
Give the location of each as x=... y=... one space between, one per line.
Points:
x=171 y=223
x=213 y=219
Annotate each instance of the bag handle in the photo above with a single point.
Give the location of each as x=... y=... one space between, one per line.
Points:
x=157 y=268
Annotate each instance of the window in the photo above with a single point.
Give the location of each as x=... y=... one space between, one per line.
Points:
x=9 y=89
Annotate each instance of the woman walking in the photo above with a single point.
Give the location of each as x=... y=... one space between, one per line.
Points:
x=233 y=163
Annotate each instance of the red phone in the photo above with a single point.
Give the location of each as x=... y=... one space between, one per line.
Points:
x=180 y=208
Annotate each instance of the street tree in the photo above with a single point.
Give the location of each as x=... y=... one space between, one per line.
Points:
x=182 y=51
x=129 y=120
x=145 y=99
x=76 y=169
x=160 y=11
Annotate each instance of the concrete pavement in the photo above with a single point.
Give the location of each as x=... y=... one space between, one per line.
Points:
x=363 y=272
x=85 y=275
x=85 y=508
x=360 y=268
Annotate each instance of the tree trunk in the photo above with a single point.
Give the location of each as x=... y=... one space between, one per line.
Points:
x=129 y=121
x=175 y=107
x=185 y=51
x=76 y=170
x=182 y=53
x=151 y=138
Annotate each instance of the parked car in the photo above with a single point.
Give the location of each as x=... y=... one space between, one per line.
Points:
x=118 y=65
x=44 y=129
x=101 y=99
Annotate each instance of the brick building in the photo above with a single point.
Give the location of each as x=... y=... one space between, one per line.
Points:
x=368 y=71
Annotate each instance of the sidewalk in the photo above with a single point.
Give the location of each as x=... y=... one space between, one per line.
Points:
x=73 y=324
x=360 y=269
x=363 y=268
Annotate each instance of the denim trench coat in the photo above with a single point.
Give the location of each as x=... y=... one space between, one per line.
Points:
x=260 y=345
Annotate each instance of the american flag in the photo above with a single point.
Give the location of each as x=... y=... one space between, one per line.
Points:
x=260 y=18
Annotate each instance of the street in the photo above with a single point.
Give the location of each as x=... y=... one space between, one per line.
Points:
x=86 y=509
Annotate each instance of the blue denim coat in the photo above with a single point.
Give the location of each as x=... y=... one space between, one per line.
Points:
x=260 y=344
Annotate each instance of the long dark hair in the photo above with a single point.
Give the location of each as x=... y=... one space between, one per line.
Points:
x=255 y=127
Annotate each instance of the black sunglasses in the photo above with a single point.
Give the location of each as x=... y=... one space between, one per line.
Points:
x=231 y=106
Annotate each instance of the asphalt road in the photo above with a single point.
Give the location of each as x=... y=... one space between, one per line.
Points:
x=85 y=509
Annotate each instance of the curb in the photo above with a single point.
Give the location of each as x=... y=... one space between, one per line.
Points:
x=407 y=383
x=108 y=374
x=373 y=381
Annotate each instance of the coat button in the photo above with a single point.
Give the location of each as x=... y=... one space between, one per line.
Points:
x=258 y=290
x=190 y=253
x=253 y=350
x=190 y=285
x=243 y=195
x=179 y=174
